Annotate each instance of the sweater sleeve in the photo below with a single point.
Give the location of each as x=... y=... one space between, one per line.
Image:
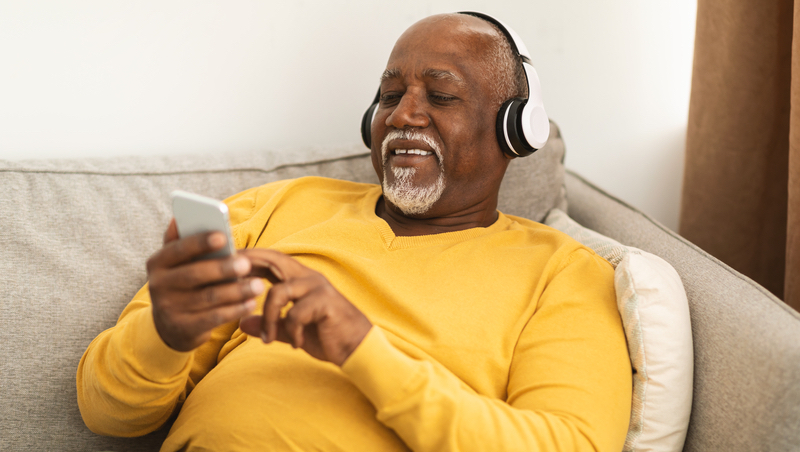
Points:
x=569 y=385
x=129 y=381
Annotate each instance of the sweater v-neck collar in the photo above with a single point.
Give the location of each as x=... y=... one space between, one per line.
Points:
x=395 y=242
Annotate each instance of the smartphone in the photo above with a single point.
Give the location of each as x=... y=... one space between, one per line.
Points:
x=194 y=214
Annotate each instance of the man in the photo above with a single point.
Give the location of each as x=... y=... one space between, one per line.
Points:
x=420 y=316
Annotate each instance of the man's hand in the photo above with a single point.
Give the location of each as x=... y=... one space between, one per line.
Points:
x=321 y=321
x=192 y=298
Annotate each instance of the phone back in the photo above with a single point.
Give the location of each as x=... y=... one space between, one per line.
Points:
x=194 y=214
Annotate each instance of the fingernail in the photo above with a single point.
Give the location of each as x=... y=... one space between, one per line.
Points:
x=264 y=337
x=275 y=272
x=256 y=286
x=241 y=266
x=250 y=305
x=216 y=240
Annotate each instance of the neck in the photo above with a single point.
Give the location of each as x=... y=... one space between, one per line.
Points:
x=479 y=216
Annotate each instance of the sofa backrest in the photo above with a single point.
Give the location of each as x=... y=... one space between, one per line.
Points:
x=75 y=235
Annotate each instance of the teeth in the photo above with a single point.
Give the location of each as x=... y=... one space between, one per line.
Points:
x=412 y=151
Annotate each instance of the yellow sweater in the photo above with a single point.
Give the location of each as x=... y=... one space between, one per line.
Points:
x=497 y=338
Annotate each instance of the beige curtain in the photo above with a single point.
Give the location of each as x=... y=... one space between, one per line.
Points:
x=741 y=189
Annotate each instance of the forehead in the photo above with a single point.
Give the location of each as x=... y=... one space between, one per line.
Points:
x=453 y=47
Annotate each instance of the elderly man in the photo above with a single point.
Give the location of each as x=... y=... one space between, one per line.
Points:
x=411 y=315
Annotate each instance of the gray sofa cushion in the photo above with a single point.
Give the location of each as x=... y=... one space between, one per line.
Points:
x=746 y=341
x=75 y=235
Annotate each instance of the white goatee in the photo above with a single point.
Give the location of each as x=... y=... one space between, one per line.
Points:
x=410 y=198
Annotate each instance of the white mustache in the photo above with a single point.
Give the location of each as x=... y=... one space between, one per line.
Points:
x=409 y=135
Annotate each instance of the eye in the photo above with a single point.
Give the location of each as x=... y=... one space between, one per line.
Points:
x=390 y=98
x=442 y=98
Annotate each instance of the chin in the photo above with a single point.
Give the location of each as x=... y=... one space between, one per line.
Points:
x=410 y=198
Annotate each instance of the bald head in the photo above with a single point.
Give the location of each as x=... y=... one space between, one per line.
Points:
x=500 y=66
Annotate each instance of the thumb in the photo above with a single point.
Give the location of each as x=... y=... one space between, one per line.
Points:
x=172 y=232
x=251 y=325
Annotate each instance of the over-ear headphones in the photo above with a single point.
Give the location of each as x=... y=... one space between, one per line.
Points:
x=522 y=126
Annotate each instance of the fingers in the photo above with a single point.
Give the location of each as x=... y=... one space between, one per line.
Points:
x=181 y=251
x=220 y=315
x=202 y=273
x=279 y=296
x=289 y=329
x=320 y=321
x=251 y=325
x=301 y=315
x=184 y=318
x=218 y=295
x=190 y=297
x=196 y=327
x=273 y=265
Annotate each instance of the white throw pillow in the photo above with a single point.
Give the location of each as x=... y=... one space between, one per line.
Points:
x=655 y=315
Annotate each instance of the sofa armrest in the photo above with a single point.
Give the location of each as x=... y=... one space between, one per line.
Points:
x=746 y=341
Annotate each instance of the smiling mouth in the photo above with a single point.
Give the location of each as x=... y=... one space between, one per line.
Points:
x=409 y=148
x=411 y=151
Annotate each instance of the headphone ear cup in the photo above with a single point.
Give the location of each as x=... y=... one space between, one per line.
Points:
x=502 y=131
x=509 y=129
x=534 y=126
x=366 y=125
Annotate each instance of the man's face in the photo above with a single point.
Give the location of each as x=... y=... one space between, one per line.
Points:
x=434 y=145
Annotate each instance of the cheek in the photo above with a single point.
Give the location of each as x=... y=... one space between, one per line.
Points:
x=378 y=133
x=479 y=162
x=488 y=138
x=476 y=142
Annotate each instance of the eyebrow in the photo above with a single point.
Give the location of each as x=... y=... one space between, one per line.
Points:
x=390 y=73
x=436 y=74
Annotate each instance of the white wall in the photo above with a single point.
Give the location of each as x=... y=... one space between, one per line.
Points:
x=104 y=78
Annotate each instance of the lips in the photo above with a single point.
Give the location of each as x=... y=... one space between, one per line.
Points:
x=409 y=145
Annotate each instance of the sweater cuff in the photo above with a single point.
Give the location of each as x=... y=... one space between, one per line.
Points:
x=379 y=370
x=148 y=353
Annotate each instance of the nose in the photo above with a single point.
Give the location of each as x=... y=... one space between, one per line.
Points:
x=409 y=112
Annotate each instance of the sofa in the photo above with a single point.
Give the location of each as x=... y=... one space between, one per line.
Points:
x=75 y=235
